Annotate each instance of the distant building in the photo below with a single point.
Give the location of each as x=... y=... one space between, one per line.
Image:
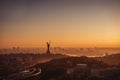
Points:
x=70 y=70
x=104 y=72
x=14 y=48
x=17 y=48
x=106 y=54
x=79 y=68
x=96 y=72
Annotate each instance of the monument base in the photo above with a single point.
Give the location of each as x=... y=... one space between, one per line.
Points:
x=48 y=52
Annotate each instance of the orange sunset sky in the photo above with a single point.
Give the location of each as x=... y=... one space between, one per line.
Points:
x=66 y=23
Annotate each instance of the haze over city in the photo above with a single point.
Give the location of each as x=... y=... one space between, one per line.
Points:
x=66 y=23
x=59 y=40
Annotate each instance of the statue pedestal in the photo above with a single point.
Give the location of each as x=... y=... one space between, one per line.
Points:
x=48 y=52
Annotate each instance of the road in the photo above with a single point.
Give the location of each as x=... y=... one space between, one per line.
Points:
x=34 y=72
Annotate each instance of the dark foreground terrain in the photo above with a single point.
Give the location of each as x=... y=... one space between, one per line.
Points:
x=78 y=68
x=12 y=64
x=60 y=68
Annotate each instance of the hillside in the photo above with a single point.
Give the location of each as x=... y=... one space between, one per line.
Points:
x=113 y=59
x=18 y=62
x=56 y=69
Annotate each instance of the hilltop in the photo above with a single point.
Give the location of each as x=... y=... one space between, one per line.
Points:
x=113 y=59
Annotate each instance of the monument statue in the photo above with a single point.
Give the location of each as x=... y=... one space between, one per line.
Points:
x=48 y=47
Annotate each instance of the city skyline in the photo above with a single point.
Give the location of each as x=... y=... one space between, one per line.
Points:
x=66 y=23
